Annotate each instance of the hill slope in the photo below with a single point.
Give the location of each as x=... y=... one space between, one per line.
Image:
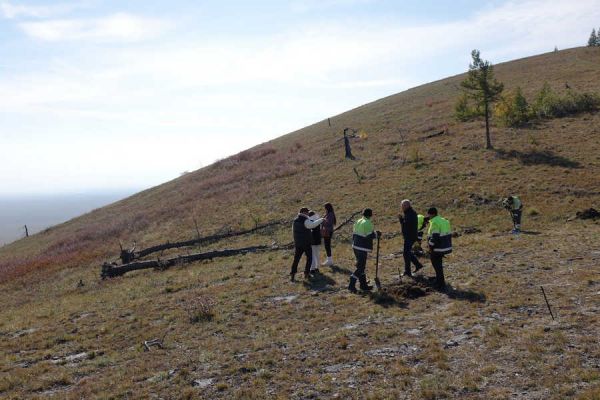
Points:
x=490 y=338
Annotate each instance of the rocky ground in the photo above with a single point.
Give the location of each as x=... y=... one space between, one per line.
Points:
x=239 y=329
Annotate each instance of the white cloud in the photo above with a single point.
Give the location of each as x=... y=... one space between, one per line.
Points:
x=302 y=6
x=11 y=11
x=116 y=27
x=524 y=27
x=208 y=93
x=328 y=56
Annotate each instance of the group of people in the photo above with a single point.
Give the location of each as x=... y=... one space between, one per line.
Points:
x=309 y=228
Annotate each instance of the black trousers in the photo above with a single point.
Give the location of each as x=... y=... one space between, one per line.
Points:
x=327 y=243
x=409 y=256
x=298 y=255
x=361 y=263
x=437 y=263
x=516 y=215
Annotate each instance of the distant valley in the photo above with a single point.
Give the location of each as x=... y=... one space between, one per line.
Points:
x=39 y=212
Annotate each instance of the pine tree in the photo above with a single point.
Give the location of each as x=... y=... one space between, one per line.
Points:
x=521 y=108
x=483 y=88
x=462 y=111
x=593 y=40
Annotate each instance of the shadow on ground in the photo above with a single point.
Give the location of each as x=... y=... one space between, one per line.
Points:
x=531 y=233
x=453 y=293
x=535 y=157
x=336 y=269
x=319 y=283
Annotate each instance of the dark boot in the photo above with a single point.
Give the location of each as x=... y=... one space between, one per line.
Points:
x=352 y=285
x=363 y=283
x=293 y=277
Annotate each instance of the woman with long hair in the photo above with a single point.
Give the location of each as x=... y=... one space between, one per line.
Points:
x=329 y=222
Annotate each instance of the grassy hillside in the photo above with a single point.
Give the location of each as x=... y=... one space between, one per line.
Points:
x=491 y=337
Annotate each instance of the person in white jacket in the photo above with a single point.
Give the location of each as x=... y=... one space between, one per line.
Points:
x=315 y=244
x=302 y=229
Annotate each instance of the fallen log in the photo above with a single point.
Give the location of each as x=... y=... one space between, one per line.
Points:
x=347 y=221
x=435 y=134
x=154 y=342
x=198 y=241
x=112 y=270
x=131 y=255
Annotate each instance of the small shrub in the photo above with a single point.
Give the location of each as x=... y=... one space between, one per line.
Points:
x=583 y=102
x=253 y=155
x=200 y=309
x=463 y=111
x=532 y=212
x=532 y=140
x=513 y=110
x=415 y=155
x=222 y=386
x=545 y=102
x=496 y=330
x=343 y=342
x=434 y=387
x=549 y=104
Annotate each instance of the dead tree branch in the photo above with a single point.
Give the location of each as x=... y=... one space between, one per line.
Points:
x=200 y=240
x=347 y=221
x=154 y=342
x=112 y=270
x=548 y=304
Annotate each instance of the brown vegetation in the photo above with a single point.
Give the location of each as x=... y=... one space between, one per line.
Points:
x=236 y=328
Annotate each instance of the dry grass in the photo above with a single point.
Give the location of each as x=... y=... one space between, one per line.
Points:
x=235 y=328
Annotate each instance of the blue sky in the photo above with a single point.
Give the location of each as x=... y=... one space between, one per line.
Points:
x=112 y=95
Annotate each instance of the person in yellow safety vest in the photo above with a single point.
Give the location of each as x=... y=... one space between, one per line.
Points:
x=514 y=205
x=362 y=244
x=440 y=244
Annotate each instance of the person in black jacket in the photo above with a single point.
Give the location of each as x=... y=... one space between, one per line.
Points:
x=302 y=229
x=409 y=223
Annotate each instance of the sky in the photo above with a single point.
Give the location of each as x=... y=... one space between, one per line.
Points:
x=116 y=95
